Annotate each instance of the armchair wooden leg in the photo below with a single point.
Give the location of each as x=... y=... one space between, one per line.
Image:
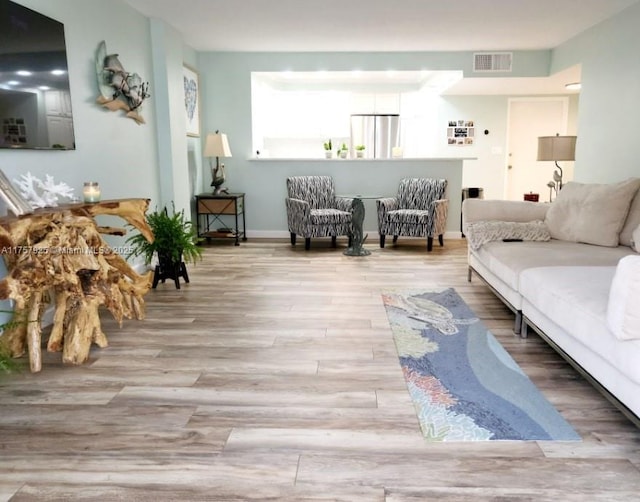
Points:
x=307 y=243
x=429 y=243
x=441 y=240
x=293 y=239
x=382 y=236
x=395 y=239
x=333 y=241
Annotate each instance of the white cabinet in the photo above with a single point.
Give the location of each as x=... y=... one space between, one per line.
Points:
x=387 y=104
x=58 y=103
x=60 y=130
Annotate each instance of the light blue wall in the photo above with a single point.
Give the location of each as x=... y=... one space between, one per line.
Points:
x=610 y=97
x=111 y=149
x=226 y=85
x=158 y=161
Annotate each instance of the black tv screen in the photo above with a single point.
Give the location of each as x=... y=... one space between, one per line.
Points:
x=35 y=99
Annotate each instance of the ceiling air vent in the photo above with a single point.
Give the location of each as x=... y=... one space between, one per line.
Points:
x=492 y=61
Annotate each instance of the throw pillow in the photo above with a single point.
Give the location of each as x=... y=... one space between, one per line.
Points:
x=480 y=232
x=623 y=311
x=632 y=221
x=591 y=213
x=635 y=239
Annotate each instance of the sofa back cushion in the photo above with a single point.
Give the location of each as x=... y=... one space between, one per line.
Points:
x=632 y=222
x=591 y=213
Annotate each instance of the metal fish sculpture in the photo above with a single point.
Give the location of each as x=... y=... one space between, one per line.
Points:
x=119 y=89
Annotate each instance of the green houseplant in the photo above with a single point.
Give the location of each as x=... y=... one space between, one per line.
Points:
x=344 y=151
x=7 y=362
x=175 y=242
x=359 y=151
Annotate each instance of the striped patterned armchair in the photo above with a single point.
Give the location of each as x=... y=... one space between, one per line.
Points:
x=313 y=210
x=419 y=210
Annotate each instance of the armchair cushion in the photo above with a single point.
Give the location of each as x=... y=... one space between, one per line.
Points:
x=329 y=217
x=317 y=191
x=411 y=216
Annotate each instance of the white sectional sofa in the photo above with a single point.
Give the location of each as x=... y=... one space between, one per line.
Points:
x=571 y=271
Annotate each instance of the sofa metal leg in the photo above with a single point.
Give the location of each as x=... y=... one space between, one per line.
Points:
x=293 y=239
x=307 y=243
x=395 y=239
x=429 y=243
x=524 y=328
x=382 y=236
x=441 y=240
x=333 y=241
x=517 y=327
x=469 y=270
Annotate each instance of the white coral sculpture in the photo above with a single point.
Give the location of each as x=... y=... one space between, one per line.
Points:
x=42 y=193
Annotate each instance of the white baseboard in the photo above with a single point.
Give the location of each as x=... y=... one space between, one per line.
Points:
x=279 y=234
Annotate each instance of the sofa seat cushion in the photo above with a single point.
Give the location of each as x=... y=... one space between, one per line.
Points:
x=507 y=260
x=623 y=313
x=411 y=216
x=329 y=217
x=576 y=298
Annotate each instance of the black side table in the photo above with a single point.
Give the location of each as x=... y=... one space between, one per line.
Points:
x=211 y=208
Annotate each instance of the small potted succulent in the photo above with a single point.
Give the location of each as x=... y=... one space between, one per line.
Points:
x=360 y=151
x=344 y=151
x=328 y=149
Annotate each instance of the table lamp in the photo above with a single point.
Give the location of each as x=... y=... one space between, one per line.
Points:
x=557 y=148
x=217 y=145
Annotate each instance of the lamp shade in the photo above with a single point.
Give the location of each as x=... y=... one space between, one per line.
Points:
x=557 y=148
x=217 y=145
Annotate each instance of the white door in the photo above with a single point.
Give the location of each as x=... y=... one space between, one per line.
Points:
x=528 y=119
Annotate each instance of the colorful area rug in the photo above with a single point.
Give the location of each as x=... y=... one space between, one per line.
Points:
x=464 y=385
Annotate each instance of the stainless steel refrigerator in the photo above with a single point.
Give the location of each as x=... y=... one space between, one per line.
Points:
x=378 y=133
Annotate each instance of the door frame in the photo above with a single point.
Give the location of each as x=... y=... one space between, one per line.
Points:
x=563 y=129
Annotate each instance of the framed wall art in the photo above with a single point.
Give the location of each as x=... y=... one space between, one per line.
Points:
x=461 y=133
x=191 y=100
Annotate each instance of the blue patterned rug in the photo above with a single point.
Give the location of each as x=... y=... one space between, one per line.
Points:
x=464 y=385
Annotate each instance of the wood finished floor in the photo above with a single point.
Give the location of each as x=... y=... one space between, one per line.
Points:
x=273 y=376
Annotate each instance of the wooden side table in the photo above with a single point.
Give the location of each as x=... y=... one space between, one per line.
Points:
x=212 y=208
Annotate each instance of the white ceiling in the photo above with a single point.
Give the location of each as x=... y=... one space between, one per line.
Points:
x=383 y=25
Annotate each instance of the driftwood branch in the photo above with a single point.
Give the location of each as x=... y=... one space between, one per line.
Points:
x=60 y=252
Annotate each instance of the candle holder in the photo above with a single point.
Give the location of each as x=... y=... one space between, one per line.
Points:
x=91 y=192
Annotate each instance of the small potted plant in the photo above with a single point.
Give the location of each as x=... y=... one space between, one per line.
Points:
x=175 y=242
x=328 y=149
x=344 y=151
x=359 y=151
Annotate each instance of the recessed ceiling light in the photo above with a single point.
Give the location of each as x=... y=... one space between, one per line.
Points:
x=57 y=72
x=23 y=73
x=573 y=86
x=13 y=82
x=44 y=87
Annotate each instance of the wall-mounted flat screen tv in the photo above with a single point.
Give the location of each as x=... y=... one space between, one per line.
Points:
x=35 y=100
